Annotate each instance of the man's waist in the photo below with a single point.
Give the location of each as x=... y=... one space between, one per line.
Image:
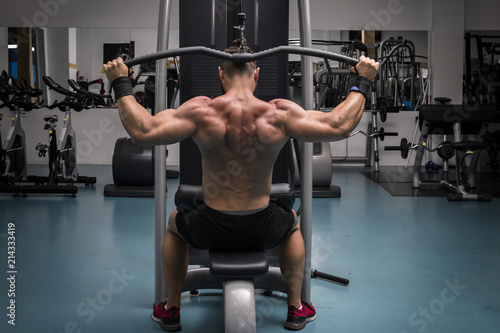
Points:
x=230 y=204
x=241 y=211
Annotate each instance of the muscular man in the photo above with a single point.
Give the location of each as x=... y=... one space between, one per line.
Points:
x=240 y=136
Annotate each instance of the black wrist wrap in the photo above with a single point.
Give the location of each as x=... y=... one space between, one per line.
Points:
x=361 y=84
x=122 y=87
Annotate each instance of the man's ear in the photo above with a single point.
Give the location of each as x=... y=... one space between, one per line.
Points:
x=256 y=74
x=221 y=74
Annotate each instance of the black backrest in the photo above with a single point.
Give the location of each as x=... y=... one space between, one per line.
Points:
x=442 y=117
x=209 y=23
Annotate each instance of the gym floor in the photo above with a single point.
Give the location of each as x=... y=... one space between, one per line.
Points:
x=415 y=264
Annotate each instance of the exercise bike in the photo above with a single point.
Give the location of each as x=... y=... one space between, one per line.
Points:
x=52 y=149
x=17 y=99
x=65 y=164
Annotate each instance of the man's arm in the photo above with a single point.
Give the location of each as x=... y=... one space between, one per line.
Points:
x=314 y=126
x=166 y=127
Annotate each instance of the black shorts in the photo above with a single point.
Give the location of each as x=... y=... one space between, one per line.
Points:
x=209 y=229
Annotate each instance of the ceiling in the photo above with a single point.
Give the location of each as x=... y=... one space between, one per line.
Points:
x=84 y=13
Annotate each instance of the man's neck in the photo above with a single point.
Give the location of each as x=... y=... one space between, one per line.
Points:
x=241 y=87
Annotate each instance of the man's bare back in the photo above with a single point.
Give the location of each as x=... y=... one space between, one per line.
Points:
x=239 y=139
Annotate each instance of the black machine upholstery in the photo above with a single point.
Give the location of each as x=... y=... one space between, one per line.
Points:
x=441 y=118
x=244 y=264
x=191 y=196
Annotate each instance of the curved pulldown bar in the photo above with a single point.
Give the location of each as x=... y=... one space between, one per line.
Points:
x=241 y=57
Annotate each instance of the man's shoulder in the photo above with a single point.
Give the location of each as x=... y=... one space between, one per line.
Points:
x=282 y=104
x=195 y=104
x=199 y=101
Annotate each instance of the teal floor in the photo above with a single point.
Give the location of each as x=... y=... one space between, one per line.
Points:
x=415 y=264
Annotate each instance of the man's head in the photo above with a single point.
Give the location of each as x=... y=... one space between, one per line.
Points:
x=228 y=69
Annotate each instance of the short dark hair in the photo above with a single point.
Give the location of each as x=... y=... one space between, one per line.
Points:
x=231 y=68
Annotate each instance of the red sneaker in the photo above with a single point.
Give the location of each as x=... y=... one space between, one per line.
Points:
x=170 y=320
x=297 y=319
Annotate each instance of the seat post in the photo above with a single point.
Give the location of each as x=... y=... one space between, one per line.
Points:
x=238 y=271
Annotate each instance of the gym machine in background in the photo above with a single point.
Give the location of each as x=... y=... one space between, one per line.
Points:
x=397 y=81
x=396 y=88
x=482 y=83
x=482 y=75
x=66 y=153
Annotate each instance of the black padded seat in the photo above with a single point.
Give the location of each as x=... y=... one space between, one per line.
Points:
x=464 y=146
x=442 y=100
x=442 y=117
x=238 y=264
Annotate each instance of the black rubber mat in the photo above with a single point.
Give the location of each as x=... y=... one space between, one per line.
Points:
x=400 y=183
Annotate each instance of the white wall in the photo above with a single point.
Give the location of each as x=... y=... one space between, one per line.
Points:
x=446 y=49
x=56 y=58
x=365 y=15
x=72 y=53
x=482 y=15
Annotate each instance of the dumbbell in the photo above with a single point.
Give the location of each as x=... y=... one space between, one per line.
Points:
x=383 y=109
x=404 y=147
x=432 y=166
x=445 y=150
x=381 y=134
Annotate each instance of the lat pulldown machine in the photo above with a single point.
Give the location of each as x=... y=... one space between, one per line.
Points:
x=235 y=270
